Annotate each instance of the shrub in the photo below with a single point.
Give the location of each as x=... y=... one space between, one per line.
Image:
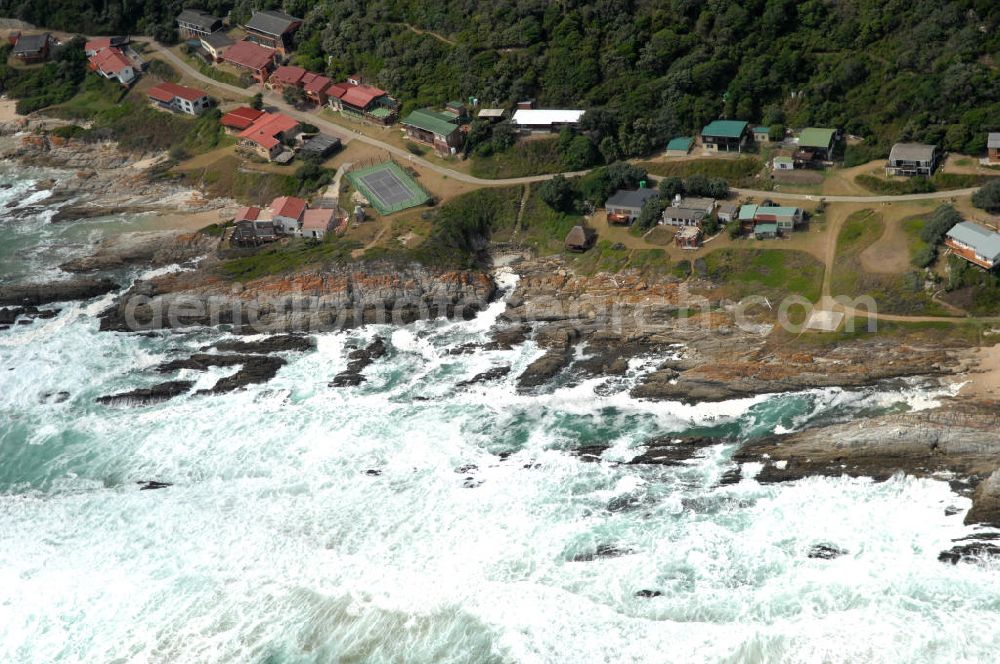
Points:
x=988 y=197
x=558 y=193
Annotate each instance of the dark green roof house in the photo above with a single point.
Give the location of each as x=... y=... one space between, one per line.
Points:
x=726 y=136
x=435 y=129
x=819 y=141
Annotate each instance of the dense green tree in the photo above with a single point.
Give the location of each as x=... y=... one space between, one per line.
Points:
x=940 y=222
x=921 y=70
x=988 y=197
x=670 y=187
x=558 y=193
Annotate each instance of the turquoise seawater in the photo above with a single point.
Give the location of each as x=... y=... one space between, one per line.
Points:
x=276 y=544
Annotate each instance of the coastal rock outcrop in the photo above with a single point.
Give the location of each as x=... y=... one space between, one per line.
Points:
x=148 y=395
x=359 y=359
x=33 y=294
x=321 y=299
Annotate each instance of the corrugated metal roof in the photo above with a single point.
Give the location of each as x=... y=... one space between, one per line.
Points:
x=725 y=128
x=531 y=117
x=912 y=152
x=681 y=143
x=984 y=241
x=271 y=22
x=993 y=140
x=631 y=198
x=816 y=137
x=428 y=120
x=747 y=212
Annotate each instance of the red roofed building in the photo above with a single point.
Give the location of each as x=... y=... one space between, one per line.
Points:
x=363 y=102
x=256 y=59
x=287 y=213
x=239 y=119
x=317 y=222
x=315 y=87
x=179 y=98
x=286 y=76
x=265 y=136
x=96 y=45
x=112 y=64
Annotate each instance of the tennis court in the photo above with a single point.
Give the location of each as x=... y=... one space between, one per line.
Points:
x=388 y=187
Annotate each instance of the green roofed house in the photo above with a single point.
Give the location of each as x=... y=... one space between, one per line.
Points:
x=726 y=136
x=680 y=147
x=435 y=129
x=821 y=142
x=765 y=231
x=762 y=134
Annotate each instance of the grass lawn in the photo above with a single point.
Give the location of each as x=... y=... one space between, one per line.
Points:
x=542 y=227
x=226 y=178
x=893 y=293
x=96 y=95
x=537 y=156
x=738 y=172
x=281 y=258
x=772 y=273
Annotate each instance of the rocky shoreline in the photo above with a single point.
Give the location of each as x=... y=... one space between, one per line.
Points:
x=96 y=179
x=585 y=327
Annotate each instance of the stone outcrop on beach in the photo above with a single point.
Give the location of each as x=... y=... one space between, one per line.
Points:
x=150 y=250
x=702 y=352
x=957 y=441
x=34 y=294
x=105 y=179
x=320 y=299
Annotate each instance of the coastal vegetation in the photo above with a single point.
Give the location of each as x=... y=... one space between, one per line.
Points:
x=295 y=255
x=768 y=272
x=648 y=71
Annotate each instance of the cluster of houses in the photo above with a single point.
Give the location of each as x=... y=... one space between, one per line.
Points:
x=286 y=216
x=812 y=147
x=112 y=58
x=274 y=136
x=687 y=214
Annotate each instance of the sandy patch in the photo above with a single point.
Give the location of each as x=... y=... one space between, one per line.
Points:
x=190 y=221
x=984 y=379
x=8 y=111
x=890 y=254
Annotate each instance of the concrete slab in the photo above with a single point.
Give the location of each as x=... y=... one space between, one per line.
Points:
x=824 y=320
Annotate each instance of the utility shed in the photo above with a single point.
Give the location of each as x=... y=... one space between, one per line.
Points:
x=580 y=239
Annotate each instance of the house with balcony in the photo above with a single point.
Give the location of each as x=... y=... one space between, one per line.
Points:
x=726 y=136
x=195 y=23
x=359 y=101
x=272 y=29
x=912 y=159
x=30 y=49
x=977 y=244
